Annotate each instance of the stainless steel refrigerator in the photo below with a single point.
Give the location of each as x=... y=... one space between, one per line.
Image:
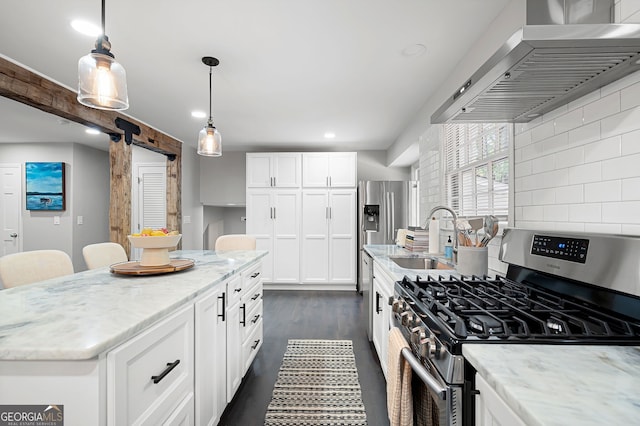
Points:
x=383 y=208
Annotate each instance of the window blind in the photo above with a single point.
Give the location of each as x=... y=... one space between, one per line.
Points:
x=477 y=168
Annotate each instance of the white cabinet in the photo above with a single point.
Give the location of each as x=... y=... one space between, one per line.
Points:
x=273 y=218
x=149 y=376
x=329 y=236
x=251 y=313
x=211 y=356
x=329 y=169
x=381 y=292
x=273 y=170
x=234 y=340
x=491 y=410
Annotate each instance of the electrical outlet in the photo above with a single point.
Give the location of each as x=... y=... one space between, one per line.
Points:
x=80 y=220
x=56 y=220
x=186 y=219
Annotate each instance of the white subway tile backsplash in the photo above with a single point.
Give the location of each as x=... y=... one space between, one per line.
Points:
x=624 y=122
x=553 y=179
x=585 y=134
x=585 y=212
x=522 y=139
x=532 y=212
x=621 y=167
x=537 y=224
x=599 y=192
x=603 y=149
x=555 y=144
x=591 y=172
x=601 y=108
x=569 y=157
x=570 y=194
x=523 y=198
x=570 y=227
x=620 y=84
x=543 y=164
x=556 y=213
x=569 y=121
x=603 y=228
x=627 y=9
x=531 y=151
x=585 y=100
x=630 y=96
x=622 y=212
x=630 y=143
x=630 y=229
x=543 y=131
x=517 y=214
x=630 y=189
x=552 y=115
x=522 y=169
x=543 y=196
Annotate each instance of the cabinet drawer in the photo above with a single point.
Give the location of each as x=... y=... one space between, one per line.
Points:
x=252 y=276
x=251 y=319
x=183 y=415
x=149 y=375
x=234 y=290
x=251 y=346
x=253 y=297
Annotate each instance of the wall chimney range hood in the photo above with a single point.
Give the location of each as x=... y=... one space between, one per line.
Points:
x=542 y=67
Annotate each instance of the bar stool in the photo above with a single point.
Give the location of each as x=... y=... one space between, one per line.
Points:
x=103 y=254
x=32 y=266
x=235 y=242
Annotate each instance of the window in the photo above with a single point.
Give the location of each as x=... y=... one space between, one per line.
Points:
x=477 y=168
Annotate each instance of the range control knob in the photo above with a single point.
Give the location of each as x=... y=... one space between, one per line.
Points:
x=431 y=346
x=398 y=306
x=407 y=318
x=417 y=336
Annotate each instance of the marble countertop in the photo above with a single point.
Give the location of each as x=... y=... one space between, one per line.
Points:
x=83 y=315
x=548 y=385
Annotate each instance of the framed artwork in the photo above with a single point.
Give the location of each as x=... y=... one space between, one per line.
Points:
x=45 y=186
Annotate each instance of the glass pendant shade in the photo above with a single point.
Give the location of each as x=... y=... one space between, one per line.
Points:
x=210 y=142
x=102 y=82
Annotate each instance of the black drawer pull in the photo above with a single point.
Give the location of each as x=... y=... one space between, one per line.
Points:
x=224 y=309
x=243 y=321
x=238 y=290
x=170 y=366
x=255 y=319
x=255 y=344
x=255 y=274
x=255 y=296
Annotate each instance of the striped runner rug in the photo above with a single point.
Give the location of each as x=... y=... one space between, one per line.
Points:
x=317 y=385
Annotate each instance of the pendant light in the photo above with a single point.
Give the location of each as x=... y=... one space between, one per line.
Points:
x=102 y=82
x=209 y=139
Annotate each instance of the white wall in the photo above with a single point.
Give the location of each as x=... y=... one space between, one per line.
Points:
x=87 y=195
x=192 y=209
x=222 y=179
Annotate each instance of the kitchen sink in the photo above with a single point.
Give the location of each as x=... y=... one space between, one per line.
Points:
x=419 y=262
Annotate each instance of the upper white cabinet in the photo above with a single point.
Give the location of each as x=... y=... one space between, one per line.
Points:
x=329 y=169
x=273 y=170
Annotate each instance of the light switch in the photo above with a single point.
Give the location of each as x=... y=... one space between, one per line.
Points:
x=56 y=220
x=186 y=219
x=80 y=220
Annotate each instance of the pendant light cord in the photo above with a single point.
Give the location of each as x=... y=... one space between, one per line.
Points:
x=210 y=90
x=103 y=28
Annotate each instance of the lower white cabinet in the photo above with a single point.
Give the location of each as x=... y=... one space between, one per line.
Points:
x=491 y=410
x=183 y=415
x=211 y=356
x=149 y=375
x=251 y=312
x=234 y=339
x=381 y=292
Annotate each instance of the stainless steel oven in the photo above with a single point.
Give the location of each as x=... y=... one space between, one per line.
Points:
x=560 y=288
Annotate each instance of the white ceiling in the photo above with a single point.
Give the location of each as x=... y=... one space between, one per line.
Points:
x=290 y=70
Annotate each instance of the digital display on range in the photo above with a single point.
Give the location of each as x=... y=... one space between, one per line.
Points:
x=569 y=249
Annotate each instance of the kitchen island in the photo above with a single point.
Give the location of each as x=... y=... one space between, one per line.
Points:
x=540 y=384
x=62 y=340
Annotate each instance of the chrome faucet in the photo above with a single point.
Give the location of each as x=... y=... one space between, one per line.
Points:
x=455 y=227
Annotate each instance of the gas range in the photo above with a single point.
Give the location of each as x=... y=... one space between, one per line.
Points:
x=559 y=289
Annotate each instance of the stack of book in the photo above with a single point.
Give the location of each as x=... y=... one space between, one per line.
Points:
x=417 y=239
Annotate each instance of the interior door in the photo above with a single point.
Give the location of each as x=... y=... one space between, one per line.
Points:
x=150 y=189
x=11 y=208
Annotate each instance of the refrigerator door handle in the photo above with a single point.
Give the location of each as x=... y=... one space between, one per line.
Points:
x=387 y=214
x=393 y=217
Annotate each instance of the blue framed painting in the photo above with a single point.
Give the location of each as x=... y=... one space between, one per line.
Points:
x=45 y=186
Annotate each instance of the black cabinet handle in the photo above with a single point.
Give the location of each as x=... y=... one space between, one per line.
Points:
x=255 y=275
x=378 y=310
x=238 y=290
x=243 y=321
x=256 y=318
x=255 y=344
x=255 y=296
x=170 y=366
x=224 y=309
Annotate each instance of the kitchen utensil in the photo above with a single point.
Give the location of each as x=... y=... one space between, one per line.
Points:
x=490 y=229
x=476 y=225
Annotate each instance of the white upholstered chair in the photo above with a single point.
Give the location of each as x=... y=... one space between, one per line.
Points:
x=32 y=266
x=235 y=242
x=103 y=254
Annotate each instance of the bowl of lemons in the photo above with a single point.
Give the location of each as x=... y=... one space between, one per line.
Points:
x=155 y=245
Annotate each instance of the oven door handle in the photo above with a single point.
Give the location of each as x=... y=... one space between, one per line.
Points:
x=433 y=385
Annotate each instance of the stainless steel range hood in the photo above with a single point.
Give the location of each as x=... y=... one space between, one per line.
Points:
x=542 y=67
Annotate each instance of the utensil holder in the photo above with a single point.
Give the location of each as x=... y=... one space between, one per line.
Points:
x=473 y=260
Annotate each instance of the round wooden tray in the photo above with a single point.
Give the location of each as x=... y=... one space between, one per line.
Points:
x=134 y=267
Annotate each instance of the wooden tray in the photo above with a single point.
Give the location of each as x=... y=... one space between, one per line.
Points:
x=134 y=267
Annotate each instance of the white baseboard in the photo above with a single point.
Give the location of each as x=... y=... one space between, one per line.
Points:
x=305 y=287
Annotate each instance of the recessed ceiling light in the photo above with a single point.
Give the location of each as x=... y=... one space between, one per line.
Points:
x=198 y=114
x=329 y=135
x=414 y=50
x=86 y=28
x=92 y=131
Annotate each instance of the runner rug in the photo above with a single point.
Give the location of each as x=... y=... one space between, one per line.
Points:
x=317 y=385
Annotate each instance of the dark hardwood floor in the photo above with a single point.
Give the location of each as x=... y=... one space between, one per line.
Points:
x=308 y=315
